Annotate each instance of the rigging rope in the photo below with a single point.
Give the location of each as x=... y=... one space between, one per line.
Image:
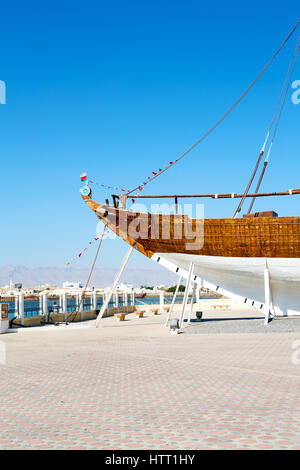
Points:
x=88 y=280
x=290 y=73
x=266 y=140
x=228 y=112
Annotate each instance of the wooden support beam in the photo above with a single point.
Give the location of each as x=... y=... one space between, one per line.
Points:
x=176 y=204
x=116 y=200
x=289 y=192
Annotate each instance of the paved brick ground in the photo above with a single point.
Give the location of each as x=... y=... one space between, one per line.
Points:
x=134 y=386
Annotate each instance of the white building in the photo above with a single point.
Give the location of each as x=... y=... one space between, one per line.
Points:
x=125 y=288
x=72 y=285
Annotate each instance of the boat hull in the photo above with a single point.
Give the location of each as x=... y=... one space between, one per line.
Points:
x=231 y=255
x=265 y=237
x=244 y=277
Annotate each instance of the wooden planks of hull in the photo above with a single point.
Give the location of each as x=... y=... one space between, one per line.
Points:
x=263 y=237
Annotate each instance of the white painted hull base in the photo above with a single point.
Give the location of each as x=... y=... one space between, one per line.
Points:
x=243 y=277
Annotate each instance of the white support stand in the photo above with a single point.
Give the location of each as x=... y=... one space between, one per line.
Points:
x=21 y=308
x=198 y=290
x=114 y=285
x=64 y=306
x=94 y=300
x=125 y=301
x=161 y=302
x=192 y=303
x=17 y=306
x=80 y=301
x=132 y=298
x=173 y=301
x=186 y=294
x=41 y=304
x=116 y=300
x=268 y=296
x=60 y=303
x=45 y=306
x=104 y=295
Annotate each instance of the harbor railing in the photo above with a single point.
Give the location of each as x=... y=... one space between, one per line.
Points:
x=46 y=305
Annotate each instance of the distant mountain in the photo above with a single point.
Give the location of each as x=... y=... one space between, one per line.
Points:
x=102 y=276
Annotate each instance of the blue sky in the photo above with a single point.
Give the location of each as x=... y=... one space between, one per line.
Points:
x=118 y=89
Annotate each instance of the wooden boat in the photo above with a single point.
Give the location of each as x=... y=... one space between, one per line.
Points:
x=256 y=257
x=231 y=255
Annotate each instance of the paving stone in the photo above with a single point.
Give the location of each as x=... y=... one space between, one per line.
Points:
x=86 y=390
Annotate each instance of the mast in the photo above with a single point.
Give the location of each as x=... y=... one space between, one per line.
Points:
x=286 y=82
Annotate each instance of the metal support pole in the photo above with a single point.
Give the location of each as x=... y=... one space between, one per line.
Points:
x=173 y=301
x=94 y=300
x=116 y=300
x=192 y=303
x=80 y=303
x=45 y=306
x=161 y=302
x=268 y=297
x=125 y=301
x=64 y=306
x=186 y=294
x=17 y=306
x=60 y=303
x=198 y=290
x=198 y=298
x=41 y=304
x=176 y=205
x=116 y=280
x=104 y=295
x=21 y=308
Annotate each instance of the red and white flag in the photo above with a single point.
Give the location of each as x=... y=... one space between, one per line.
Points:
x=83 y=177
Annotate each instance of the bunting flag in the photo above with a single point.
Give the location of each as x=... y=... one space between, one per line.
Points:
x=91 y=242
x=127 y=191
x=93 y=181
x=155 y=174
